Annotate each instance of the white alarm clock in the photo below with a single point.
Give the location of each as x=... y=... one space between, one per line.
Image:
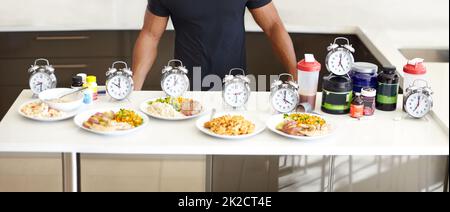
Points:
x=284 y=95
x=418 y=100
x=42 y=77
x=339 y=60
x=174 y=81
x=119 y=82
x=236 y=89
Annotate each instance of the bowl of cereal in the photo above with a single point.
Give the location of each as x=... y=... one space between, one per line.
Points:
x=67 y=103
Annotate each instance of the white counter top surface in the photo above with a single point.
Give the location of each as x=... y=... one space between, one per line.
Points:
x=378 y=135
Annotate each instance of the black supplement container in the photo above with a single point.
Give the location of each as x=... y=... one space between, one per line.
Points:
x=387 y=91
x=337 y=92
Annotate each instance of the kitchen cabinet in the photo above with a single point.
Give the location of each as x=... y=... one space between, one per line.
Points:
x=245 y=173
x=30 y=172
x=6 y=97
x=106 y=173
x=64 y=44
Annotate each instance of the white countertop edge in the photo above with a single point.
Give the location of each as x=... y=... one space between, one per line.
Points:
x=186 y=150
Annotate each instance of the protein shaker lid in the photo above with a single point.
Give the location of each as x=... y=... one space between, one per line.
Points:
x=309 y=64
x=415 y=66
x=365 y=68
x=336 y=83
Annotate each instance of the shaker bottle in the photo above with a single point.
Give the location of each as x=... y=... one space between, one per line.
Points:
x=413 y=70
x=308 y=79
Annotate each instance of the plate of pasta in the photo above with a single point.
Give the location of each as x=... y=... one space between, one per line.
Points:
x=230 y=126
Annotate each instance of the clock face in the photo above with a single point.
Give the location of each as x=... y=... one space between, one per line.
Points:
x=418 y=105
x=236 y=94
x=284 y=100
x=340 y=62
x=175 y=85
x=119 y=87
x=40 y=82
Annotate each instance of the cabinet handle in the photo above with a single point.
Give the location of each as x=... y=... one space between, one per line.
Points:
x=70 y=66
x=60 y=38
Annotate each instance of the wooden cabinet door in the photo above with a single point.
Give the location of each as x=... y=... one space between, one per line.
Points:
x=112 y=173
x=30 y=172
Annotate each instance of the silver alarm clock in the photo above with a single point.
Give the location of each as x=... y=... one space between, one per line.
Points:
x=119 y=82
x=284 y=94
x=418 y=100
x=42 y=77
x=339 y=60
x=236 y=89
x=174 y=81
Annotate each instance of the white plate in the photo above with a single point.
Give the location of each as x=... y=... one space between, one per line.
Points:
x=275 y=120
x=259 y=126
x=84 y=116
x=65 y=115
x=144 y=108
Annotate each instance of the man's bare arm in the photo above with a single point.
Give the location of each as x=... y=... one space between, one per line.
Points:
x=268 y=19
x=146 y=47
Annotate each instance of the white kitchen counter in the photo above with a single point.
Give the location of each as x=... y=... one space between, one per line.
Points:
x=384 y=39
x=378 y=135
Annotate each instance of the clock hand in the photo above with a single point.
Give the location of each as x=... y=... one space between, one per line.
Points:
x=342 y=67
x=418 y=104
x=288 y=102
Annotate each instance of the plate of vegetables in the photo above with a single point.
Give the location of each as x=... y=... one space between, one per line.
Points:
x=300 y=126
x=111 y=121
x=172 y=109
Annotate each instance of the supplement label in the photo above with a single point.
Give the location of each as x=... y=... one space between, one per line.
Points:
x=357 y=111
x=387 y=93
x=336 y=101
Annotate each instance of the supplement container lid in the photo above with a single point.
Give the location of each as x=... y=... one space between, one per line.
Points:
x=369 y=92
x=389 y=69
x=77 y=79
x=335 y=83
x=365 y=68
x=415 y=66
x=91 y=79
x=309 y=64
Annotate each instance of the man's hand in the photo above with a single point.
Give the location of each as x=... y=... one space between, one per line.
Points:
x=268 y=19
x=146 y=47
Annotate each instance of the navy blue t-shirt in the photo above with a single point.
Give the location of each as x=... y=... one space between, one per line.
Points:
x=209 y=33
